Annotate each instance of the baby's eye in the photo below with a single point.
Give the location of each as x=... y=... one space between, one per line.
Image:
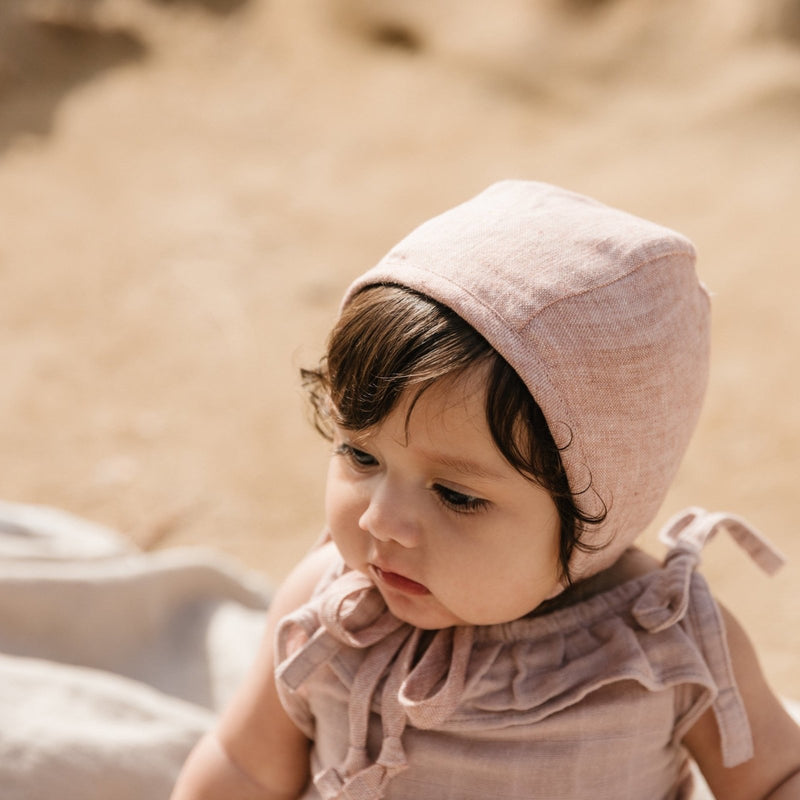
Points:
x=458 y=501
x=358 y=458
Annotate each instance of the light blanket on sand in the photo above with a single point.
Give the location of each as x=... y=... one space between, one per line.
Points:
x=113 y=662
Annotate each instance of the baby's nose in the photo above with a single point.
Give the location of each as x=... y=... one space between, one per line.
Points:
x=390 y=516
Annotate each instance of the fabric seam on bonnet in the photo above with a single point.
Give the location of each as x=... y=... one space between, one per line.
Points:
x=639 y=266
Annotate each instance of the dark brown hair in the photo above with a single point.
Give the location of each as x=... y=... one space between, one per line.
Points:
x=390 y=339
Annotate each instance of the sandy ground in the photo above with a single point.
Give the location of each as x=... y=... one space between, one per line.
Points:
x=186 y=188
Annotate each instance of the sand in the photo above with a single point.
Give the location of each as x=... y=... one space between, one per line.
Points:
x=187 y=187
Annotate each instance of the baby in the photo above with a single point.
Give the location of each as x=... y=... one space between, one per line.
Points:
x=509 y=393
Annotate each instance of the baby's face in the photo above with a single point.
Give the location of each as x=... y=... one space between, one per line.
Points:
x=448 y=530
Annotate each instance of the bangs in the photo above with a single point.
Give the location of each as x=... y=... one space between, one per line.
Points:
x=388 y=340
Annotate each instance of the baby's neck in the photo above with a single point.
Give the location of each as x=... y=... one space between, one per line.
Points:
x=631 y=564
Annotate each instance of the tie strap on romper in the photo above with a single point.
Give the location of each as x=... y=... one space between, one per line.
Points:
x=666 y=602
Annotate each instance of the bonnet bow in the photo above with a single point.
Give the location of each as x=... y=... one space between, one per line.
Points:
x=421 y=684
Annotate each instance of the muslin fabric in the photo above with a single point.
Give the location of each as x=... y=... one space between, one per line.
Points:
x=588 y=701
x=602 y=315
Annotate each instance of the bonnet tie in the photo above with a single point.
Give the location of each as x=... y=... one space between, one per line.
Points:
x=666 y=601
x=351 y=615
x=357 y=778
x=421 y=686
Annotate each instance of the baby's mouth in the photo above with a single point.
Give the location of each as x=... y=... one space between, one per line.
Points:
x=398 y=582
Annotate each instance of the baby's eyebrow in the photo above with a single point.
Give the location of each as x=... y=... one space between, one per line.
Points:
x=356 y=438
x=465 y=466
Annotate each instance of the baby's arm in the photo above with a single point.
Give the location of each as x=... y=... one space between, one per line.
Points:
x=256 y=752
x=774 y=772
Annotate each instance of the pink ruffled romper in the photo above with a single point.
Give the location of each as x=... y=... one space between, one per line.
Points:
x=589 y=701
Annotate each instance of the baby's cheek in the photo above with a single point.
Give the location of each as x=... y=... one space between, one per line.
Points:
x=349 y=539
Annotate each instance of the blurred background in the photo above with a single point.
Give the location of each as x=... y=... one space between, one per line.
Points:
x=187 y=187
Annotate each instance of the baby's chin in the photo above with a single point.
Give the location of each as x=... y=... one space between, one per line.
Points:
x=421 y=612
x=433 y=616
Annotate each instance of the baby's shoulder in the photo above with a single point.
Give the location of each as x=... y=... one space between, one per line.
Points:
x=775 y=734
x=631 y=565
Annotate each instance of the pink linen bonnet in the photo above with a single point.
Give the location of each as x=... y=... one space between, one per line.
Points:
x=601 y=314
